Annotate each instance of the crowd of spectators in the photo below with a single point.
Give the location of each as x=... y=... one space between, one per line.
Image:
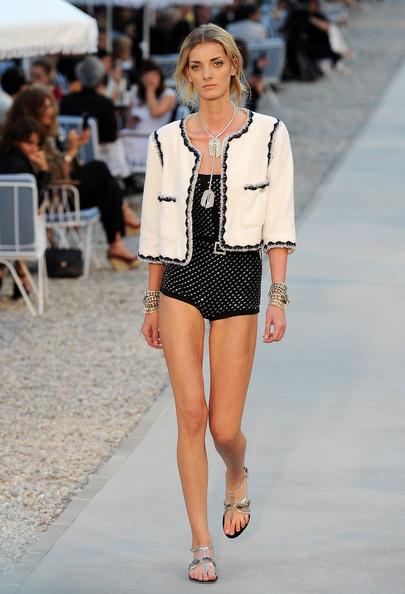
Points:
x=129 y=97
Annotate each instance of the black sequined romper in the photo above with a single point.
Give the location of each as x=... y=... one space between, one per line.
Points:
x=219 y=285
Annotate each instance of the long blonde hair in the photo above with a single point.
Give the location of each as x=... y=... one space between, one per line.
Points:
x=201 y=34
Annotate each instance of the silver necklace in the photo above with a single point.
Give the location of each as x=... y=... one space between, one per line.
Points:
x=214 y=150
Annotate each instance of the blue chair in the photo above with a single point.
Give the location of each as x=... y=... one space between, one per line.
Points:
x=23 y=233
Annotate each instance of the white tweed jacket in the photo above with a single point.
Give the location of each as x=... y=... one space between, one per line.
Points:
x=257 y=191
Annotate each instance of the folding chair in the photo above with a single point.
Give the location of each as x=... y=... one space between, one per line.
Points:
x=67 y=220
x=22 y=233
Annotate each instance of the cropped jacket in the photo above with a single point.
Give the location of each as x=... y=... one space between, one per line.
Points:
x=256 y=191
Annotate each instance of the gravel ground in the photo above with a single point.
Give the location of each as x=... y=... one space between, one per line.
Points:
x=76 y=381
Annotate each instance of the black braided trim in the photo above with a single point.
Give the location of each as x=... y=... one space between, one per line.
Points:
x=158 y=146
x=270 y=145
x=191 y=187
x=257 y=186
x=286 y=244
x=222 y=220
x=163 y=198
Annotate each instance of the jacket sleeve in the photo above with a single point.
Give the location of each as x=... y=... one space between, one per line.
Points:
x=149 y=233
x=279 y=225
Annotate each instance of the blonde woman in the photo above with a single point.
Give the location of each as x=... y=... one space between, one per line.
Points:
x=218 y=195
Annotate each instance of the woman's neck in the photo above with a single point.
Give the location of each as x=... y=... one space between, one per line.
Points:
x=216 y=114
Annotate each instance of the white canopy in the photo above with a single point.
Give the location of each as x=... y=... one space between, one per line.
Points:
x=38 y=27
x=149 y=3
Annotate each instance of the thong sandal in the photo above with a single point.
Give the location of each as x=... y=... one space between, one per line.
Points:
x=242 y=506
x=205 y=561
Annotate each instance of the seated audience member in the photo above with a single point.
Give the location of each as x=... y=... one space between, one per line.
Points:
x=255 y=80
x=306 y=30
x=249 y=28
x=115 y=83
x=43 y=73
x=152 y=106
x=97 y=187
x=202 y=14
x=21 y=152
x=123 y=57
x=90 y=72
x=12 y=81
x=162 y=38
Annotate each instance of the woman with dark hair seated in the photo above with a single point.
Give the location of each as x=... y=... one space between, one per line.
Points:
x=152 y=106
x=21 y=151
x=97 y=187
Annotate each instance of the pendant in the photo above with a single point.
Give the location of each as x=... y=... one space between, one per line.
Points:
x=207 y=199
x=214 y=147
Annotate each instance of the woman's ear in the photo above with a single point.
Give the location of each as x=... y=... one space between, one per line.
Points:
x=234 y=67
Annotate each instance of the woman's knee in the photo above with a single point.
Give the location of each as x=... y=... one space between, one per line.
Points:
x=222 y=435
x=192 y=418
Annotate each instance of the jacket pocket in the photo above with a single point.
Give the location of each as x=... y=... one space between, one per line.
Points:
x=167 y=215
x=254 y=203
x=165 y=198
x=258 y=185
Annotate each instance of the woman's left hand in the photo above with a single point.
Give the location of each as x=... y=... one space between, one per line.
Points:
x=84 y=136
x=275 y=316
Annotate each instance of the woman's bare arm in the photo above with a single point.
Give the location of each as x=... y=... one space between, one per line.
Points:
x=159 y=107
x=275 y=316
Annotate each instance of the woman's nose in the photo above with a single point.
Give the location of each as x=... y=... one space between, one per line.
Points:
x=207 y=72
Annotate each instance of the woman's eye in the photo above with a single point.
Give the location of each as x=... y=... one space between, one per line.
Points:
x=194 y=67
x=218 y=63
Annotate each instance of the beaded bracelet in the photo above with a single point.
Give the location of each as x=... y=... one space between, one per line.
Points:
x=151 y=301
x=278 y=295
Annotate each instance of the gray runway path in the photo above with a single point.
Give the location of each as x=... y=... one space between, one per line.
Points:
x=325 y=421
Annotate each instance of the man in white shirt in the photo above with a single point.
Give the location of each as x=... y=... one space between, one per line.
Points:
x=249 y=29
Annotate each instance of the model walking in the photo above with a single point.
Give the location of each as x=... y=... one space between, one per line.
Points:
x=218 y=195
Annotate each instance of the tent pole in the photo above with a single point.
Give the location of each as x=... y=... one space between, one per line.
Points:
x=109 y=26
x=146 y=31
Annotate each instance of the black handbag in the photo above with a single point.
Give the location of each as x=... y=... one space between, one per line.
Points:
x=64 y=262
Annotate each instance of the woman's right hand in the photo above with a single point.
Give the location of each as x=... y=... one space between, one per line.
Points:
x=39 y=159
x=150 y=330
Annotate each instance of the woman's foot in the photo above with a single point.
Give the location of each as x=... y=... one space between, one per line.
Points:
x=118 y=249
x=21 y=270
x=202 y=568
x=121 y=258
x=236 y=516
x=130 y=217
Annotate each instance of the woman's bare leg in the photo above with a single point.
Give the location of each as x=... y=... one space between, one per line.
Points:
x=232 y=344
x=181 y=329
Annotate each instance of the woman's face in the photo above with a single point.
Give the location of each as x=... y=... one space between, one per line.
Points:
x=30 y=146
x=209 y=70
x=152 y=78
x=48 y=113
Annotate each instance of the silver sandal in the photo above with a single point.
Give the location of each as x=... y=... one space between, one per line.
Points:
x=205 y=561
x=242 y=506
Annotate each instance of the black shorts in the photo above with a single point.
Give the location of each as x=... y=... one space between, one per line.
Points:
x=219 y=286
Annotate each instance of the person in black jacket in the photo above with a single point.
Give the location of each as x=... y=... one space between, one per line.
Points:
x=90 y=73
x=21 y=151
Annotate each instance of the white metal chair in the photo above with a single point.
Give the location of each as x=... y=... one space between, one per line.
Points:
x=274 y=50
x=135 y=142
x=67 y=221
x=23 y=234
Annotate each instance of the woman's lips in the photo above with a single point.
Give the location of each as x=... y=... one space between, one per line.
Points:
x=209 y=86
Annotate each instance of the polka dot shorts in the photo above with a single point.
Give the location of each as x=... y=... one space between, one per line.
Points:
x=219 y=286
